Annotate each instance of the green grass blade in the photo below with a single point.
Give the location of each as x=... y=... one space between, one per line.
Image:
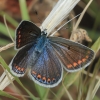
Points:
x=2 y=93
x=96 y=45
x=96 y=98
x=3 y=30
x=3 y=63
x=24 y=10
x=43 y=92
x=9 y=18
x=3 y=42
x=31 y=95
x=68 y=81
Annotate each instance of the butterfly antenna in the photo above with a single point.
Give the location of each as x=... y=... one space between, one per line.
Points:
x=38 y=18
x=65 y=28
x=64 y=24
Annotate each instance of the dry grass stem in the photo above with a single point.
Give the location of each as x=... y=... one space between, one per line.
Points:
x=64 y=25
x=74 y=36
x=6 y=47
x=91 y=75
x=95 y=89
x=8 y=29
x=89 y=11
x=58 y=14
x=82 y=14
x=5 y=80
x=67 y=92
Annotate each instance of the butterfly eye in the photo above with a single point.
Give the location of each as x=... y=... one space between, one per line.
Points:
x=44 y=32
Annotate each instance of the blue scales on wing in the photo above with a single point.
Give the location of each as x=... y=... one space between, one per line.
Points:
x=47 y=71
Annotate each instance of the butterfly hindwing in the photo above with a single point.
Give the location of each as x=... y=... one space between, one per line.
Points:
x=19 y=63
x=74 y=56
x=26 y=32
x=47 y=71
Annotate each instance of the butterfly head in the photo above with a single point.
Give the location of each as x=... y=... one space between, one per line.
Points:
x=44 y=32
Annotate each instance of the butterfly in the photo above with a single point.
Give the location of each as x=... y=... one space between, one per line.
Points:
x=45 y=56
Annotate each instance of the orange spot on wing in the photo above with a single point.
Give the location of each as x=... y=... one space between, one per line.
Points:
x=38 y=76
x=75 y=64
x=83 y=59
x=53 y=79
x=16 y=67
x=48 y=80
x=69 y=66
x=87 y=56
x=19 y=40
x=79 y=61
x=19 y=68
x=18 y=32
x=22 y=69
x=19 y=36
x=44 y=78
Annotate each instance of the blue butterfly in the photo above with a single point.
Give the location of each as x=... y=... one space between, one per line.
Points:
x=45 y=57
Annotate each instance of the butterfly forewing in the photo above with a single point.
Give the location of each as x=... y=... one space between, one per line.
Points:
x=47 y=71
x=19 y=63
x=74 y=56
x=26 y=32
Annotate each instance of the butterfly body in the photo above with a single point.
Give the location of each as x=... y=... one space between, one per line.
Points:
x=41 y=42
x=45 y=57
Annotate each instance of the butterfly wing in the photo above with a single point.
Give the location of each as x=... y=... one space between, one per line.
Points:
x=19 y=63
x=26 y=32
x=47 y=71
x=74 y=56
